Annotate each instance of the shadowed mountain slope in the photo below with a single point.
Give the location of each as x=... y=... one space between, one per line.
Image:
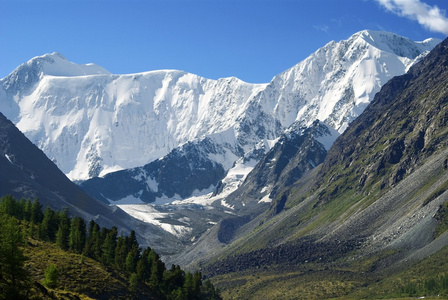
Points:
x=26 y=172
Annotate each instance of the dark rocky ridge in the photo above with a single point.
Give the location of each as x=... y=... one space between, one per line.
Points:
x=182 y=171
x=27 y=172
x=296 y=153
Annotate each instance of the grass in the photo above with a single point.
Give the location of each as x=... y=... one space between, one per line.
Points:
x=391 y=286
x=439 y=191
x=309 y=282
x=79 y=276
x=356 y=278
x=442 y=220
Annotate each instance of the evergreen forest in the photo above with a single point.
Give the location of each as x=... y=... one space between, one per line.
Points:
x=71 y=249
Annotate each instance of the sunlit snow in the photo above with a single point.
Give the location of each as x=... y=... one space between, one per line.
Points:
x=91 y=122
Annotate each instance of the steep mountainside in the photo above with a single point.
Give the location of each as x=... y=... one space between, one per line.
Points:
x=375 y=206
x=298 y=150
x=90 y=122
x=406 y=123
x=26 y=172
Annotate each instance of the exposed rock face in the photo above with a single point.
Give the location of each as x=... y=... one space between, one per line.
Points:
x=296 y=152
x=181 y=172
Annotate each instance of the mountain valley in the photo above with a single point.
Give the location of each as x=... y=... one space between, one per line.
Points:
x=330 y=181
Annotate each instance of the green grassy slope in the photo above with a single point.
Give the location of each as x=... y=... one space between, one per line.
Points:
x=79 y=276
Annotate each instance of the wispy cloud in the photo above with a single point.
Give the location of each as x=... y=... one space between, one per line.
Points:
x=323 y=28
x=430 y=17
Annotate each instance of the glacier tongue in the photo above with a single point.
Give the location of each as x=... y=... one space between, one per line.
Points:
x=91 y=122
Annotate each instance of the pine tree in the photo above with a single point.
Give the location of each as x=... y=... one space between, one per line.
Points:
x=77 y=237
x=208 y=291
x=188 y=286
x=36 y=215
x=157 y=269
x=27 y=210
x=9 y=207
x=93 y=242
x=121 y=253
x=143 y=269
x=49 y=225
x=132 y=259
x=63 y=233
x=173 y=279
x=197 y=283
x=13 y=276
x=133 y=282
x=108 y=247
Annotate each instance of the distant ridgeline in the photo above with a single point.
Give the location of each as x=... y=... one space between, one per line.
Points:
x=24 y=227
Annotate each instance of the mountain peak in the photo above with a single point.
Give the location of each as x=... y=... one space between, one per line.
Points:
x=395 y=44
x=55 y=64
x=51 y=64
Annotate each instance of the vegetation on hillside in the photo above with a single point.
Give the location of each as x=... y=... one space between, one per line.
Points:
x=59 y=251
x=340 y=279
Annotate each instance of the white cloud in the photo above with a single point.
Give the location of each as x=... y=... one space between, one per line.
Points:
x=430 y=17
x=323 y=28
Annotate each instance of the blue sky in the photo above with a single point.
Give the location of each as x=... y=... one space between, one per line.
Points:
x=253 y=40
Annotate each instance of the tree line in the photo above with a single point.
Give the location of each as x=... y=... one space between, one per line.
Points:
x=105 y=245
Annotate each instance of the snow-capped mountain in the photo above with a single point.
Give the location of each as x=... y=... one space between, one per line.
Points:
x=91 y=122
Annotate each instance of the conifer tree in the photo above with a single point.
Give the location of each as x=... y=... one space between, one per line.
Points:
x=27 y=210
x=49 y=225
x=120 y=253
x=93 y=243
x=173 y=278
x=143 y=268
x=51 y=276
x=108 y=247
x=157 y=269
x=62 y=236
x=36 y=212
x=77 y=237
x=13 y=277
x=188 y=286
x=10 y=207
x=132 y=259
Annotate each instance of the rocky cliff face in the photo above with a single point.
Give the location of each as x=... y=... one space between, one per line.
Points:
x=297 y=151
x=184 y=170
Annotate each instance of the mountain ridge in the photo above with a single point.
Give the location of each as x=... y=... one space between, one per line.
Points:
x=359 y=222
x=179 y=107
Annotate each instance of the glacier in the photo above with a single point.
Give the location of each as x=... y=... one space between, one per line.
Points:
x=91 y=122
